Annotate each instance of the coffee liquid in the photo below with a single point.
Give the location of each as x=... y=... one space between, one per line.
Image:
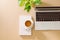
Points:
x=28 y=23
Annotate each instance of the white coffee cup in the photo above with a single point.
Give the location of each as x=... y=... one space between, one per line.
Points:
x=28 y=24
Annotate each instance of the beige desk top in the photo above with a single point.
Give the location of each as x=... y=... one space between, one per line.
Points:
x=9 y=29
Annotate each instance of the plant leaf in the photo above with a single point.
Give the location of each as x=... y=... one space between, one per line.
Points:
x=27 y=6
x=37 y=2
x=21 y=2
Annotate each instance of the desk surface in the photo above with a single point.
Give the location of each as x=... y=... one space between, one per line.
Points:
x=9 y=12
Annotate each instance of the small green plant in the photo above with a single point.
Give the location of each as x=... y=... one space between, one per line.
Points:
x=28 y=3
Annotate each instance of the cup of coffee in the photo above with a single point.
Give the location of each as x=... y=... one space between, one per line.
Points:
x=28 y=24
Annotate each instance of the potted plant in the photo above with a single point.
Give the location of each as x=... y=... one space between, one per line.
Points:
x=28 y=3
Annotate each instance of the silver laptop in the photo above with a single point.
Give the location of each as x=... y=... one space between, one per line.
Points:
x=47 y=18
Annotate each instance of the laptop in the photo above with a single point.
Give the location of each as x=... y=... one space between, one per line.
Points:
x=47 y=18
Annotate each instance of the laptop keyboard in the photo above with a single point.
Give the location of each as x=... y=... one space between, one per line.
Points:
x=47 y=16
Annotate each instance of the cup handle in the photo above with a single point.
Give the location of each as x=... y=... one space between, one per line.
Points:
x=31 y=22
